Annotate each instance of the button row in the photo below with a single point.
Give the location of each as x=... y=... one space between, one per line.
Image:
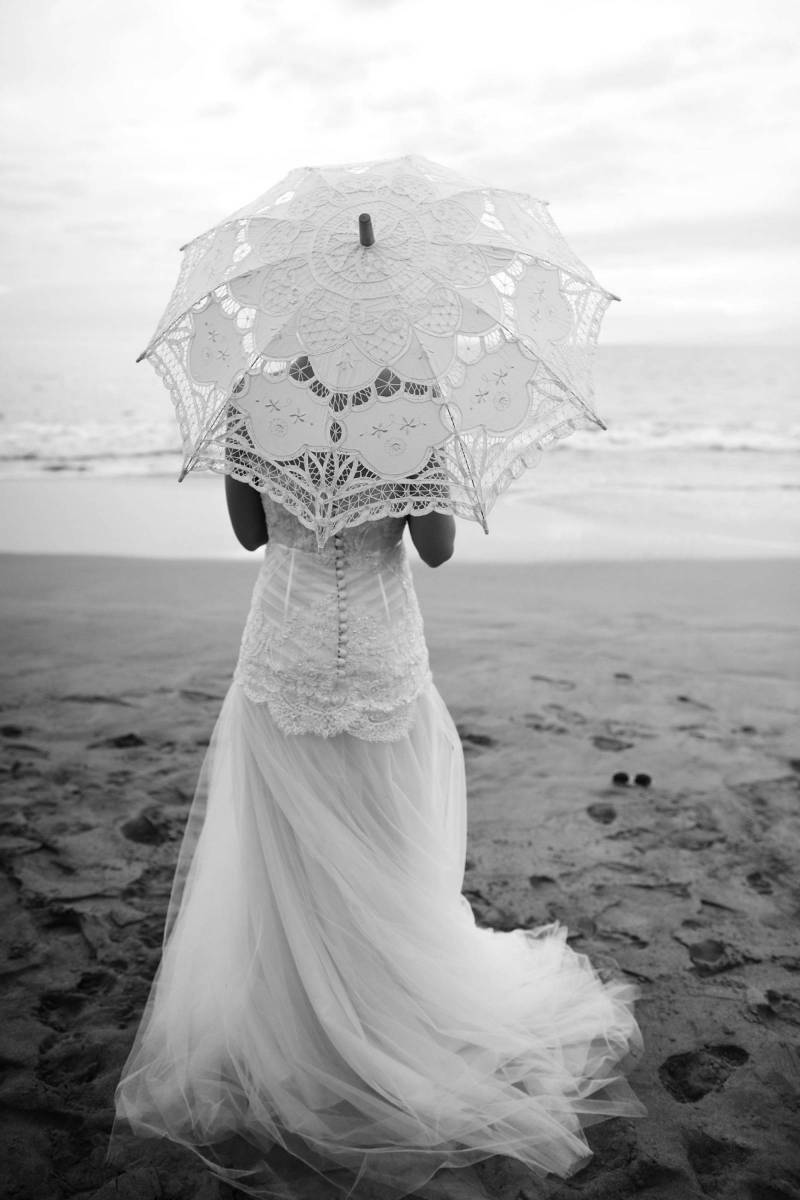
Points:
x=341 y=590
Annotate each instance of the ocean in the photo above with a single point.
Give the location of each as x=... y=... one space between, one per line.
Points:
x=709 y=429
x=77 y=412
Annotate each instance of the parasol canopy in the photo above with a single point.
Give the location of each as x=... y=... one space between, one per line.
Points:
x=379 y=338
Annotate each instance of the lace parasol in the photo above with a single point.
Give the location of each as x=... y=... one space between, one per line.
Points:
x=379 y=338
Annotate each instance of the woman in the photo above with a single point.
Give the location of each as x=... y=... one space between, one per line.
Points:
x=326 y=1005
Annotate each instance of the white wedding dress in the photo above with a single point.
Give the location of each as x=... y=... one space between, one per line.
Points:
x=326 y=1009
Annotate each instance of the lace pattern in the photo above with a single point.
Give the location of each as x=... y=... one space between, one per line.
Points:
x=424 y=372
x=334 y=641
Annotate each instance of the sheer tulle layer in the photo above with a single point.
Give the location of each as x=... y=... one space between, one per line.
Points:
x=324 y=988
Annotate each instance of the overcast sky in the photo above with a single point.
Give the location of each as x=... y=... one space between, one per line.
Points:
x=663 y=134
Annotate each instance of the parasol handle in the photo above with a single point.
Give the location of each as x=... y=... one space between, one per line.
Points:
x=365 y=230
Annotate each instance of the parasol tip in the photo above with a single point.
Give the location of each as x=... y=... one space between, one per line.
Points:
x=183 y=474
x=481 y=516
x=365 y=232
x=141 y=356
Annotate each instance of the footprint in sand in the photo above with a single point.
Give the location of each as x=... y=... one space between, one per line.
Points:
x=615 y=1148
x=711 y=957
x=73 y=1058
x=29 y=748
x=785 y=1006
x=694 y=703
x=146 y=828
x=672 y=887
x=475 y=739
x=602 y=742
x=603 y=813
x=543 y=882
x=696 y=731
x=121 y=741
x=569 y=716
x=198 y=694
x=691 y=1076
x=759 y=883
x=566 y=685
x=713 y=1160
x=56 y=1005
x=96 y=982
x=536 y=721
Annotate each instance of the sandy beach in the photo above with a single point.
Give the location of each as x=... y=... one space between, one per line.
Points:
x=558 y=675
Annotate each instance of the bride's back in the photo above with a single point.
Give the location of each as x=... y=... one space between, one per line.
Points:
x=370 y=537
x=334 y=641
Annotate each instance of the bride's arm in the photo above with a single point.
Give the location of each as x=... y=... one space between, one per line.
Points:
x=244 y=502
x=246 y=513
x=433 y=535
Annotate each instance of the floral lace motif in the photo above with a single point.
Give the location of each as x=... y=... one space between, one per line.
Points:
x=334 y=640
x=426 y=371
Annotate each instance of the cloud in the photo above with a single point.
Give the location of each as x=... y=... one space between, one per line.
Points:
x=116 y=230
x=695 y=56
x=320 y=43
x=637 y=122
x=405 y=100
x=24 y=202
x=217 y=111
x=746 y=232
x=646 y=71
x=257 y=61
x=309 y=62
x=574 y=164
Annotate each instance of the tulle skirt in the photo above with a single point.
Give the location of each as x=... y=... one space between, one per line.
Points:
x=326 y=1007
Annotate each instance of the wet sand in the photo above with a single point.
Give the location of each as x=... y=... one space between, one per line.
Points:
x=558 y=675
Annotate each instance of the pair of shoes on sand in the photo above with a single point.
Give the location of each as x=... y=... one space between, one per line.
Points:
x=622 y=779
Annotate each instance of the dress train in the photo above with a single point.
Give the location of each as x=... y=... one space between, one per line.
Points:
x=326 y=1007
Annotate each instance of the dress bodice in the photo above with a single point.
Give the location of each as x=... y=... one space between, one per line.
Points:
x=370 y=537
x=334 y=640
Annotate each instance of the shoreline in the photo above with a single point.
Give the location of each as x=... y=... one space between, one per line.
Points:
x=149 y=517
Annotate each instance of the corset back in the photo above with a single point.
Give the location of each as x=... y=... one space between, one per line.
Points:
x=334 y=641
x=370 y=537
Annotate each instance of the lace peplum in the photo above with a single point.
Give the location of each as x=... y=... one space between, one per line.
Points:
x=334 y=641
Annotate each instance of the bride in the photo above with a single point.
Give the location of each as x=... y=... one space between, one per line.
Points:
x=326 y=1010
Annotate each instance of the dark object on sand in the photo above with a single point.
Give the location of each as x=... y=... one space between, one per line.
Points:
x=604 y=813
x=620 y=778
x=643 y=780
